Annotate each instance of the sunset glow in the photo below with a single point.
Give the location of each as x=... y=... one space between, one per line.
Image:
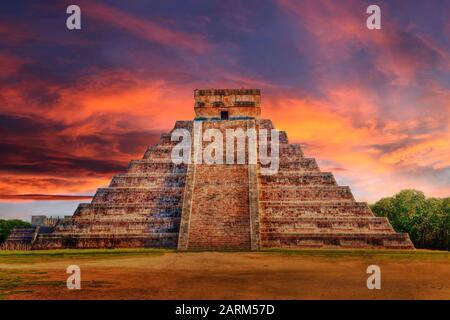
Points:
x=372 y=106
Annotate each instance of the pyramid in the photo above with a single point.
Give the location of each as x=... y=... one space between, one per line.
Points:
x=198 y=206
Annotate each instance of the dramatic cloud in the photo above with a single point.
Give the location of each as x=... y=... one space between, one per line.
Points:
x=144 y=28
x=77 y=106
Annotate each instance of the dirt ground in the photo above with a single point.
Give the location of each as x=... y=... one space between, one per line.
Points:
x=155 y=274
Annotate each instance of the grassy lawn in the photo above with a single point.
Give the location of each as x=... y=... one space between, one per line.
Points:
x=45 y=255
x=269 y=274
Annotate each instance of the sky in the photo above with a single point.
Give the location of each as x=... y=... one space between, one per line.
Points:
x=372 y=106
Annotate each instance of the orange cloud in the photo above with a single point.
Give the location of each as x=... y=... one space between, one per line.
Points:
x=432 y=151
x=25 y=184
x=91 y=131
x=375 y=157
x=70 y=138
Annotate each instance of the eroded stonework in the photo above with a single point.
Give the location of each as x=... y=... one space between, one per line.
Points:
x=158 y=204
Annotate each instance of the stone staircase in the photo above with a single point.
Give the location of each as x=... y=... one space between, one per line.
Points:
x=304 y=207
x=218 y=210
x=140 y=208
x=220 y=216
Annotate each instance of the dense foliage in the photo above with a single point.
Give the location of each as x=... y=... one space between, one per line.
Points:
x=427 y=220
x=7 y=225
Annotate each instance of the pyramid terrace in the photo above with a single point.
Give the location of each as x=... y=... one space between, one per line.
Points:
x=157 y=203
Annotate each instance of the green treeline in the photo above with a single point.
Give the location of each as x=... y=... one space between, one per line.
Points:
x=7 y=225
x=426 y=220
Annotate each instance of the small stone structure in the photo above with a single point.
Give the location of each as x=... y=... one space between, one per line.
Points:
x=159 y=204
x=50 y=222
x=23 y=238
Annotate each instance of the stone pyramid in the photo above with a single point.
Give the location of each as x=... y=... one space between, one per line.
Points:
x=157 y=203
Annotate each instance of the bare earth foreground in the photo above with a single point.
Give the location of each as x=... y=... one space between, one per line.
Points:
x=165 y=274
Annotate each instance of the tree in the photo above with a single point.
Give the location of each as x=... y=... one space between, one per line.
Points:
x=427 y=221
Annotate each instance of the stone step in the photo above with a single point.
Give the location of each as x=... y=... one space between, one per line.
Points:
x=306 y=164
x=224 y=175
x=158 y=157
x=92 y=241
x=296 y=209
x=303 y=179
x=306 y=193
x=285 y=158
x=138 y=195
x=129 y=209
x=293 y=173
x=166 y=139
x=288 y=153
x=287 y=162
x=158 y=151
x=151 y=166
x=126 y=206
x=127 y=219
x=389 y=240
x=291 y=150
x=163 y=153
x=327 y=225
x=159 y=180
x=120 y=225
x=183 y=124
x=219 y=217
x=265 y=124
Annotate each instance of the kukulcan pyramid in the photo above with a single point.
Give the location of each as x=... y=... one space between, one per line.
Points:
x=159 y=203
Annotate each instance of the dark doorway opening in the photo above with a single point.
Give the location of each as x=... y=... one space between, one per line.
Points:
x=224 y=115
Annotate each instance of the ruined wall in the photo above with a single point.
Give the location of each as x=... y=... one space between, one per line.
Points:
x=239 y=103
x=20 y=239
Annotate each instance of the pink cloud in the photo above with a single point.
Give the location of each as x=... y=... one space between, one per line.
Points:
x=399 y=54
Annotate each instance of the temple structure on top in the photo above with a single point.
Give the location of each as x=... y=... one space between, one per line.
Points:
x=161 y=204
x=227 y=104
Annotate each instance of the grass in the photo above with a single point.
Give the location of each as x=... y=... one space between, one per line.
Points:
x=12 y=280
x=158 y=273
x=362 y=253
x=38 y=255
x=77 y=252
